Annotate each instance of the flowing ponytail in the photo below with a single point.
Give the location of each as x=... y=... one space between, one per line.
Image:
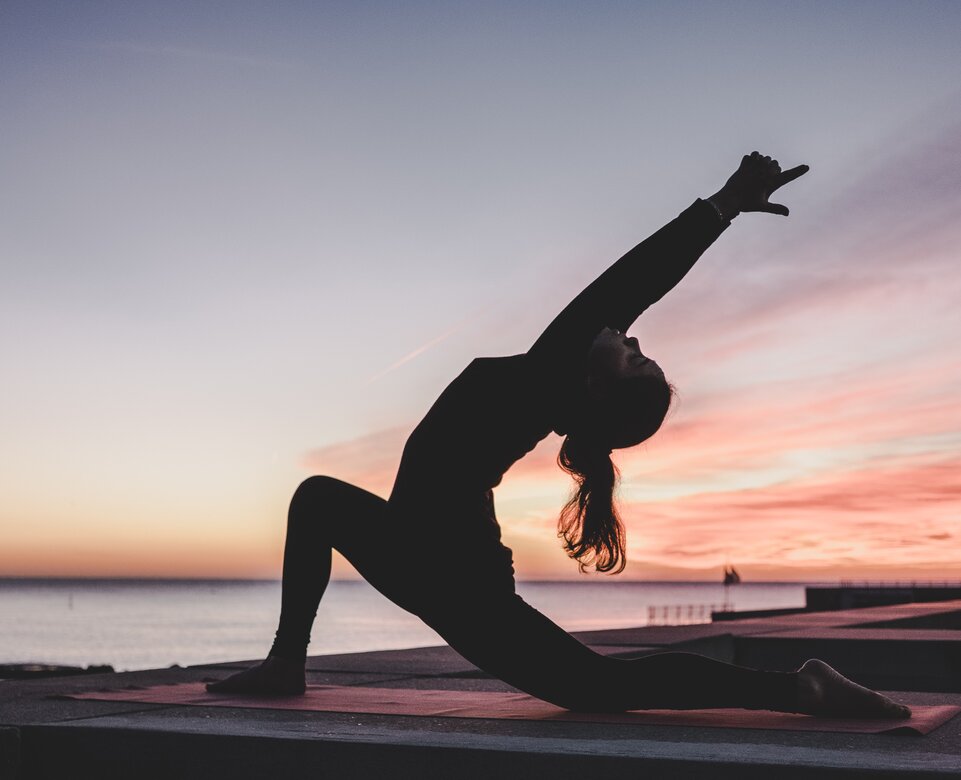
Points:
x=589 y=524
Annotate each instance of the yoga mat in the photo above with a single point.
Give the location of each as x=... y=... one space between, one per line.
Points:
x=514 y=706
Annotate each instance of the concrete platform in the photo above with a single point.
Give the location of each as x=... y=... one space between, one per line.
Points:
x=43 y=735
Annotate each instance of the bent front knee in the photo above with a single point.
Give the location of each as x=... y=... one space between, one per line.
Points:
x=315 y=490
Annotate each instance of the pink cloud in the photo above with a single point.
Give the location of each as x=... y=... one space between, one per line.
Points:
x=369 y=461
x=904 y=516
x=823 y=367
x=883 y=248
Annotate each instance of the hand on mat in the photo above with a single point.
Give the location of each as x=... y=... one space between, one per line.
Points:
x=752 y=184
x=825 y=692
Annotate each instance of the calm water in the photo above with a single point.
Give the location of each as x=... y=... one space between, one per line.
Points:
x=150 y=624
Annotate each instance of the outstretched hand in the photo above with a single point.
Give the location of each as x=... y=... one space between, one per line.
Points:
x=752 y=184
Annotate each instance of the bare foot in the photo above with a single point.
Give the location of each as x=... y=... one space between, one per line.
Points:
x=825 y=692
x=272 y=677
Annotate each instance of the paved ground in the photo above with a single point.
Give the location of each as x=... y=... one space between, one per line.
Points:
x=44 y=736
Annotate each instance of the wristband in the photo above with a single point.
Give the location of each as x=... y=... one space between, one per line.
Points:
x=717 y=209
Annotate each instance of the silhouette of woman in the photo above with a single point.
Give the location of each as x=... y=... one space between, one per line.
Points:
x=434 y=546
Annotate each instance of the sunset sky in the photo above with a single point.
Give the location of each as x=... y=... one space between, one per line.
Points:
x=245 y=242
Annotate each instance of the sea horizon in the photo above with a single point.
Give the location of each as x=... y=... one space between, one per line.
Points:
x=144 y=623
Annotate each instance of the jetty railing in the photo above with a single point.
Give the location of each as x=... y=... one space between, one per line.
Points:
x=684 y=614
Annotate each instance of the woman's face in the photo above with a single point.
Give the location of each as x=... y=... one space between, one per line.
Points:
x=614 y=357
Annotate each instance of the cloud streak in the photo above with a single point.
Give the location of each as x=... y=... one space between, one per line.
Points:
x=415 y=353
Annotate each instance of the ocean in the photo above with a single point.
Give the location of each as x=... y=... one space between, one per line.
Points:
x=151 y=624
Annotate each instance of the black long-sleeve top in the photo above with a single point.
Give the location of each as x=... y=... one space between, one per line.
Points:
x=498 y=409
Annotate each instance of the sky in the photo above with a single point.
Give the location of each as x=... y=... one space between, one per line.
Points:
x=246 y=242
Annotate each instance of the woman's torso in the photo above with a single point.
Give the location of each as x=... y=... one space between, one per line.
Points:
x=489 y=417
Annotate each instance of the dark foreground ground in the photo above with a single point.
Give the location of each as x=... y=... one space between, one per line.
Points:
x=912 y=650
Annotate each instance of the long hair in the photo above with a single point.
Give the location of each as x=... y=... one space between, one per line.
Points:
x=589 y=524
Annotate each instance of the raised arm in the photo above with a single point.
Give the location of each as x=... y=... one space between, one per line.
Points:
x=651 y=269
x=645 y=274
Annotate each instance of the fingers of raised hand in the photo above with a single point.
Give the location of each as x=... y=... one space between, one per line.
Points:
x=760 y=163
x=791 y=174
x=774 y=208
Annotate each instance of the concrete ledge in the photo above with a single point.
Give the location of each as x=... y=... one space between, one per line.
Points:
x=105 y=753
x=9 y=753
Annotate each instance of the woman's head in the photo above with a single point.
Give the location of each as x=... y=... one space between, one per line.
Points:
x=627 y=394
x=625 y=400
x=613 y=356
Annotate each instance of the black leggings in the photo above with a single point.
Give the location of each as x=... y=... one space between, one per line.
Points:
x=501 y=634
